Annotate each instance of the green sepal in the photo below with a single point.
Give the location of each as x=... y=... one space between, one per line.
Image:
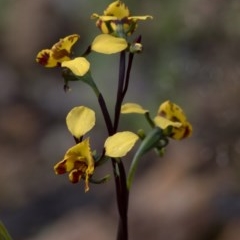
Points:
x=152 y=140
x=141 y=134
x=101 y=160
x=149 y=120
x=101 y=180
x=68 y=76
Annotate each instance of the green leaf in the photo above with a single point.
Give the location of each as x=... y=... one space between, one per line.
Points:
x=4 y=235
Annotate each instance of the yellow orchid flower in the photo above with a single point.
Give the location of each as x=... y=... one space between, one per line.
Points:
x=119 y=144
x=78 y=162
x=116 y=20
x=59 y=52
x=174 y=114
x=80 y=120
x=168 y=115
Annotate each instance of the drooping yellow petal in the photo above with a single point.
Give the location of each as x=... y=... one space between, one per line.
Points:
x=80 y=120
x=119 y=144
x=117 y=9
x=79 y=66
x=163 y=123
x=108 y=44
x=132 y=108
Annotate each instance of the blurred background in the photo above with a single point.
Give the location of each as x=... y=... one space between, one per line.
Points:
x=191 y=56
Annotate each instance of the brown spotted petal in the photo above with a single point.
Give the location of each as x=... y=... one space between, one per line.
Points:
x=59 y=52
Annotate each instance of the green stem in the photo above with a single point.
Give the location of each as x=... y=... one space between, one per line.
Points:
x=149 y=142
x=149 y=120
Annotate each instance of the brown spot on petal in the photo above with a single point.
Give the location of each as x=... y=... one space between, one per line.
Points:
x=60 y=168
x=187 y=132
x=75 y=176
x=43 y=59
x=58 y=54
x=174 y=119
x=162 y=113
x=72 y=38
x=79 y=165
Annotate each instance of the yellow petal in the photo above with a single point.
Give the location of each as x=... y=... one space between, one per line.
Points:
x=79 y=66
x=132 y=108
x=119 y=144
x=80 y=120
x=108 y=44
x=65 y=44
x=104 y=18
x=117 y=9
x=95 y=15
x=135 y=18
x=163 y=123
x=182 y=132
x=172 y=112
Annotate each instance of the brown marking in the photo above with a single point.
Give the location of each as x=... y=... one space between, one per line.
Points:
x=43 y=59
x=60 y=168
x=75 y=176
x=175 y=119
x=162 y=113
x=58 y=54
x=187 y=132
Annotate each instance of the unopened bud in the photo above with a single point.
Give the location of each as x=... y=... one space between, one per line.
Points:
x=136 y=48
